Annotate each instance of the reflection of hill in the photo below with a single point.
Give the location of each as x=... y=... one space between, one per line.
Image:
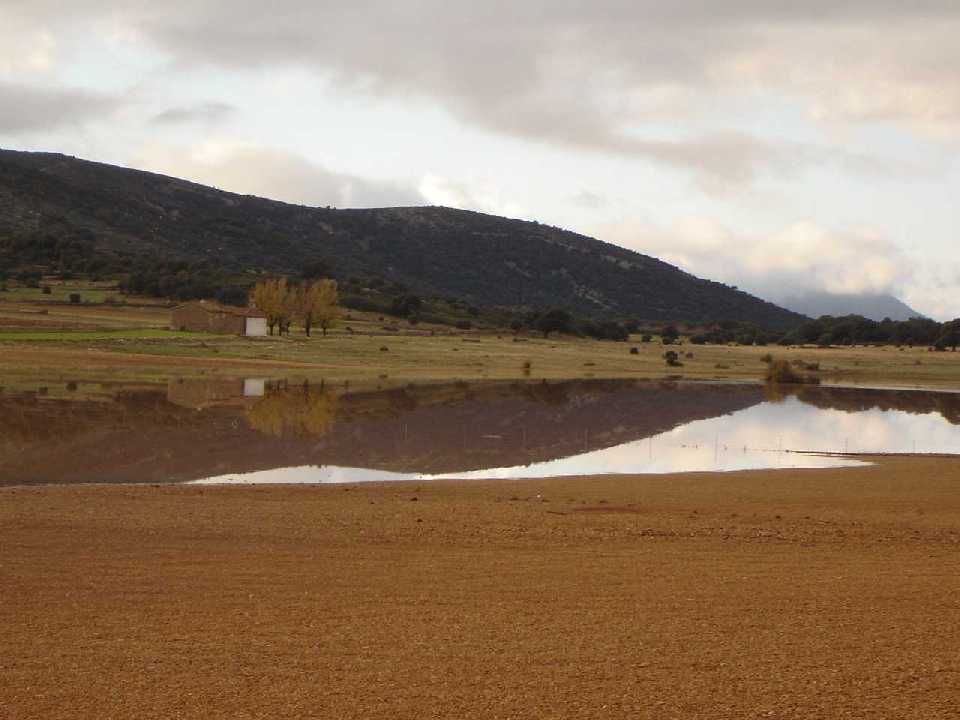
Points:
x=144 y=437
x=859 y=400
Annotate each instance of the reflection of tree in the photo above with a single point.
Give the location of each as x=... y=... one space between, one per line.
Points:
x=776 y=393
x=302 y=411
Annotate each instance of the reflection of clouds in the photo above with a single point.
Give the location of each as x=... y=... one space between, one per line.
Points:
x=794 y=425
x=308 y=474
x=755 y=438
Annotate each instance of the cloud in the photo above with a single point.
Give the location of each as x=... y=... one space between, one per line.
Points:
x=605 y=76
x=938 y=295
x=801 y=257
x=588 y=200
x=27 y=109
x=275 y=174
x=208 y=113
x=26 y=46
x=467 y=196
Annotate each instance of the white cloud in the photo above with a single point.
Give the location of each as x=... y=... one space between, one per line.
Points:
x=26 y=47
x=481 y=197
x=275 y=174
x=803 y=256
x=604 y=76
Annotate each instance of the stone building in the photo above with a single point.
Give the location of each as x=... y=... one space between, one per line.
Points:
x=208 y=316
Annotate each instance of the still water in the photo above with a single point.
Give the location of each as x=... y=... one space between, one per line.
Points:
x=256 y=431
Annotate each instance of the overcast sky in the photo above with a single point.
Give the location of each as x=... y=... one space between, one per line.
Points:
x=773 y=145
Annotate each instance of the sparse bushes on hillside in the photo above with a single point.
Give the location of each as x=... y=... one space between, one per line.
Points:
x=556 y=320
x=406 y=305
x=605 y=331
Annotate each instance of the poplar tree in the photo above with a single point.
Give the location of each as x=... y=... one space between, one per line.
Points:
x=318 y=305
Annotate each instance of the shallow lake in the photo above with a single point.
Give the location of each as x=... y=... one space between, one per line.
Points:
x=259 y=431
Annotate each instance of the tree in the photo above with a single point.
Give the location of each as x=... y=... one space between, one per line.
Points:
x=315 y=269
x=318 y=305
x=290 y=307
x=277 y=301
x=669 y=335
x=950 y=335
x=405 y=305
x=556 y=320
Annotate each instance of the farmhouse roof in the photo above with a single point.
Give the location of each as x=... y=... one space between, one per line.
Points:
x=214 y=307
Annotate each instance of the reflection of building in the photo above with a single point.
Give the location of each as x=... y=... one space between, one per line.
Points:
x=208 y=316
x=254 y=387
x=205 y=393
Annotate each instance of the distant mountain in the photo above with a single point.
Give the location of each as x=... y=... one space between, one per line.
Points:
x=55 y=209
x=874 y=307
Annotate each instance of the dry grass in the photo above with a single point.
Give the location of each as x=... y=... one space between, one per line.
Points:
x=425 y=353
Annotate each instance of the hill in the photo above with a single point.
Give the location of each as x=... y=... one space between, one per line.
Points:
x=63 y=211
x=870 y=306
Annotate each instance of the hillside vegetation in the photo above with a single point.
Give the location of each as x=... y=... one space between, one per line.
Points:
x=78 y=216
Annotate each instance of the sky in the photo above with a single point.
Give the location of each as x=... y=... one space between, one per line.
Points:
x=776 y=146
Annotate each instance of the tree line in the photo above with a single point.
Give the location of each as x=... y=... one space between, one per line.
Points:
x=314 y=304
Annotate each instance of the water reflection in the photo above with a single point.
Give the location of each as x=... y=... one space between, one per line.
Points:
x=299 y=411
x=259 y=431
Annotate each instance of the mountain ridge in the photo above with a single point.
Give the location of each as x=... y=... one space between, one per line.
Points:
x=873 y=306
x=123 y=215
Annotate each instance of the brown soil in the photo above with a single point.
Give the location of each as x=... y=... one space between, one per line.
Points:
x=782 y=594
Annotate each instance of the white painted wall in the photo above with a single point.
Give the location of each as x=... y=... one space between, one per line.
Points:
x=256 y=327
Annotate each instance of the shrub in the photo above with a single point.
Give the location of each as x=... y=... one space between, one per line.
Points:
x=634 y=351
x=556 y=320
x=406 y=305
x=781 y=371
x=672 y=358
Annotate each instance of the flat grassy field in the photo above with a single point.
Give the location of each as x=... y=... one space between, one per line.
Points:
x=131 y=343
x=60 y=291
